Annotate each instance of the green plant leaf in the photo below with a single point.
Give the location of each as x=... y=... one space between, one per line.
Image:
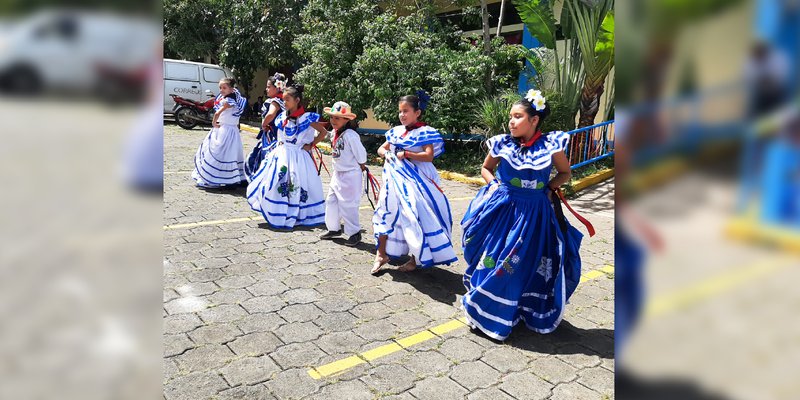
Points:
x=538 y=17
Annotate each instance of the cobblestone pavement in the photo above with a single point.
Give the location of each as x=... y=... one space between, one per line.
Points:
x=249 y=311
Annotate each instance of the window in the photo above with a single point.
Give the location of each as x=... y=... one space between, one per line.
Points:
x=181 y=72
x=213 y=75
x=62 y=27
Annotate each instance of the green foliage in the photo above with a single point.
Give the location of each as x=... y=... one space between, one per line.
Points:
x=562 y=113
x=191 y=29
x=552 y=70
x=370 y=58
x=244 y=35
x=259 y=35
x=539 y=18
x=333 y=39
x=493 y=113
x=588 y=55
x=459 y=83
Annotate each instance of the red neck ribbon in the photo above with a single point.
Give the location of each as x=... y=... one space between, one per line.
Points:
x=413 y=126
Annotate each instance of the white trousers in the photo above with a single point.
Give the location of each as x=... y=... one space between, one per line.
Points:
x=344 y=197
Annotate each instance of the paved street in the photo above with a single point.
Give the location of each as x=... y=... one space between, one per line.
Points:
x=253 y=313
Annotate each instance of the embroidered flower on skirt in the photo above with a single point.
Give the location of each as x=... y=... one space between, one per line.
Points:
x=546 y=268
x=282 y=173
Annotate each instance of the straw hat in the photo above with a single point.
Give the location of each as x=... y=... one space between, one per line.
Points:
x=340 y=109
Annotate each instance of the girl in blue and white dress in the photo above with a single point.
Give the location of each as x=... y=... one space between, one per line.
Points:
x=220 y=159
x=520 y=261
x=413 y=216
x=287 y=189
x=267 y=137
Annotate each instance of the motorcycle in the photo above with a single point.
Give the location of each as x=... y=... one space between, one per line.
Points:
x=190 y=113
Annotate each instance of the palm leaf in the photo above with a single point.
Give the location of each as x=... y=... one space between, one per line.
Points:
x=538 y=17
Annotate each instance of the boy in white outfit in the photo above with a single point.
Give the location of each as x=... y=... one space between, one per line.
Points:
x=349 y=159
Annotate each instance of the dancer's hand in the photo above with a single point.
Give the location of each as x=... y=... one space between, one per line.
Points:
x=401 y=154
x=493 y=185
x=308 y=147
x=216 y=124
x=550 y=193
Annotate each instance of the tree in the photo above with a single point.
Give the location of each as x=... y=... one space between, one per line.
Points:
x=244 y=36
x=333 y=40
x=191 y=29
x=404 y=54
x=593 y=27
x=588 y=29
x=553 y=72
x=370 y=58
x=259 y=34
x=500 y=18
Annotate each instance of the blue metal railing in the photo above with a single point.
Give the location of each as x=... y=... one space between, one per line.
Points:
x=586 y=145
x=590 y=144
x=445 y=136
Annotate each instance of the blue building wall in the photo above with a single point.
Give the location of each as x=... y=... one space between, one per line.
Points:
x=529 y=42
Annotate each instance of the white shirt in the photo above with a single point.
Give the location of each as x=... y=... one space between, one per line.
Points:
x=228 y=117
x=348 y=152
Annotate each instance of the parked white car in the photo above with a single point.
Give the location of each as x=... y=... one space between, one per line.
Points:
x=75 y=51
x=190 y=80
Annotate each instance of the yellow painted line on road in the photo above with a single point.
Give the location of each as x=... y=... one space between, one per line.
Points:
x=449 y=326
x=415 y=339
x=607 y=270
x=342 y=365
x=205 y=223
x=713 y=286
x=381 y=351
x=248 y=128
x=335 y=367
x=248 y=219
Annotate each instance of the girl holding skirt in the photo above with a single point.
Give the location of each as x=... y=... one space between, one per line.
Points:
x=220 y=159
x=287 y=189
x=521 y=259
x=413 y=215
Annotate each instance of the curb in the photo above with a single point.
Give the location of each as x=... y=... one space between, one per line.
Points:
x=476 y=181
x=590 y=180
x=455 y=176
x=748 y=229
x=249 y=128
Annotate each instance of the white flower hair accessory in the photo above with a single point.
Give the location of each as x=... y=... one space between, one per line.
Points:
x=536 y=99
x=280 y=81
